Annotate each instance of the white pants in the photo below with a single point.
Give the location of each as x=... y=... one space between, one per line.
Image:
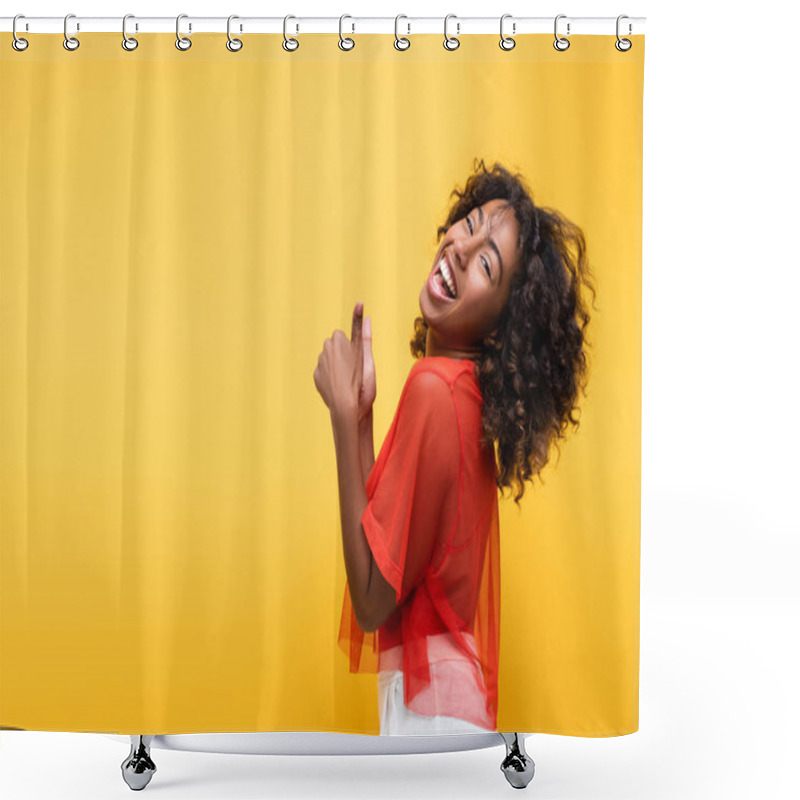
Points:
x=451 y=672
x=397 y=720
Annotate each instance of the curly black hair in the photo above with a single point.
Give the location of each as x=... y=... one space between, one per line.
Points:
x=534 y=364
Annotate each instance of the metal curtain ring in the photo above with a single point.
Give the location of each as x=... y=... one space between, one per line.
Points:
x=623 y=45
x=128 y=42
x=234 y=45
x=506 y=42
x=451 y=42
x=406 y=43
x=561 y=43
x=345 y=42
x=289 y=44
x=70 y=42
x=18 y=43
x=182 y=42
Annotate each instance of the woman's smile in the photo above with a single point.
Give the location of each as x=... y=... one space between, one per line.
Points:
x=442 y=281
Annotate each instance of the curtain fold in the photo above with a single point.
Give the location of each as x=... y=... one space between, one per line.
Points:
x=179 y=233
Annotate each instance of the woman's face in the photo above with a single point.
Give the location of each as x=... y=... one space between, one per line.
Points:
x=481 y=253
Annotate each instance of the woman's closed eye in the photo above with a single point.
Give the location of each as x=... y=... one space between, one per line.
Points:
x=483 y=260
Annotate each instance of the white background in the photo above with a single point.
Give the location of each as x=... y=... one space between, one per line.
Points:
x=719 y=598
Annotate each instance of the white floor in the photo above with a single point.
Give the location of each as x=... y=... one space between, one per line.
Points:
x=718 y=718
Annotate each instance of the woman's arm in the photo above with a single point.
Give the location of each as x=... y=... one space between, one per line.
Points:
x=373 y=597
x=351 y=447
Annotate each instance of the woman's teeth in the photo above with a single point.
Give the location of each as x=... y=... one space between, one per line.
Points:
x=441 y=287
x=444 y=271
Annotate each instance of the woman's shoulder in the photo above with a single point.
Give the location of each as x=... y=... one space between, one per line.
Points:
x=450 y=380
x=440 y=379
x=448 y=369
x=457 y=374
x=446 y=396
x=428 y=386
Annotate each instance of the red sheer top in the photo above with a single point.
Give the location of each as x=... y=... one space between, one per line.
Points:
x=431 y=522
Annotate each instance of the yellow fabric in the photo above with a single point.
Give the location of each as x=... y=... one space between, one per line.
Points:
x=180 y=233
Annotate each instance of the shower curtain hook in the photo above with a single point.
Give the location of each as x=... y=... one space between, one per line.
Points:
x=18 y=43
x=506 y=42
x=70 y=42
x=397 y=38
x=619 y=43
x=451 y=42
x=128 y=42
x=234 y=45
x=345 y=42
x=561 y=44
x=182 y=42
x=290 y=44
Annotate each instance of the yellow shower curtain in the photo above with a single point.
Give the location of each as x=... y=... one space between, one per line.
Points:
x=180 y=233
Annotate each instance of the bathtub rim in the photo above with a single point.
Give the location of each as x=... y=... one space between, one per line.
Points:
x=318 y=742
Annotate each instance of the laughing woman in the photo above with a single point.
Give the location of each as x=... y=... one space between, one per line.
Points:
x=501 y=359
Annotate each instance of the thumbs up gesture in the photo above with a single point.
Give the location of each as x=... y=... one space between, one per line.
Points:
x=345 y=373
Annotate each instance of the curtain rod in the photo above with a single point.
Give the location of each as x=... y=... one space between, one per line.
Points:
x=407 y=26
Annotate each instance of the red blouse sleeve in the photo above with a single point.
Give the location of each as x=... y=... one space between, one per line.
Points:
x=406 y=504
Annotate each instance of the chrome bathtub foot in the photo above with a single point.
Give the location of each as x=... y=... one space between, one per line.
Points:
x=517 y=766
x=138 y=768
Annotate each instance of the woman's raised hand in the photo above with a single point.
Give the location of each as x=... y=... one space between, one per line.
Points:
x=345 y=373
